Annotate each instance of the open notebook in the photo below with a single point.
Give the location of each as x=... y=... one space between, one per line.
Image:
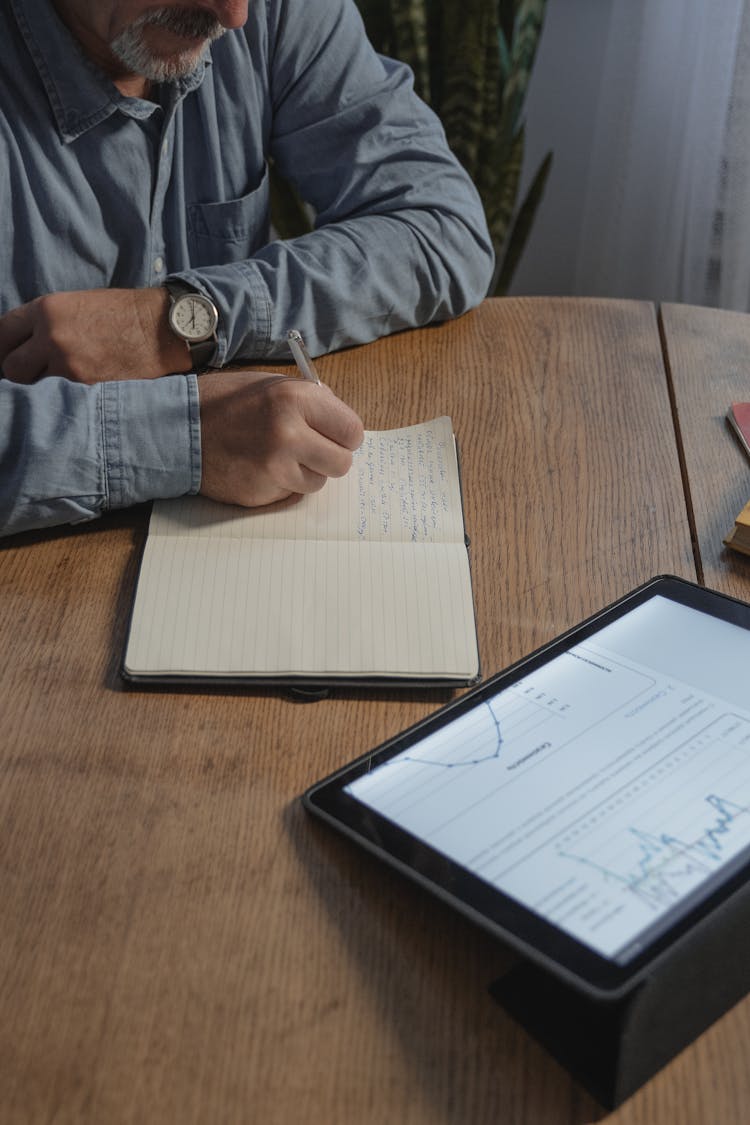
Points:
x=367 y=579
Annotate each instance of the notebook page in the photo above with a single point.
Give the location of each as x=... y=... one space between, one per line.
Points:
x=235 y=607
x=403 y=487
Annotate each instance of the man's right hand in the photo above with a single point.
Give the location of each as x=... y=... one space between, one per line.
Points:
x=265 y=437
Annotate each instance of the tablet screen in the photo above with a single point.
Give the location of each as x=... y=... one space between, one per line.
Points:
x=606 y=791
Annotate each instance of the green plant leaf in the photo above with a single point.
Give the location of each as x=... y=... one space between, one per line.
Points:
x=471 y=82
x=504 y=52
x=501 y=206
x=288 y=214
x=526 y=31
x=410 y=38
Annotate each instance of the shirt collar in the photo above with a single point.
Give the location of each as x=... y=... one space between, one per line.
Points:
x=81 y=96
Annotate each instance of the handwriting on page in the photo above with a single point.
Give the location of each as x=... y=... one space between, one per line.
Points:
x=403 y=487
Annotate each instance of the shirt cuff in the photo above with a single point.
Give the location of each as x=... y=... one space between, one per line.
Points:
x=151 y=439
x=240 y=293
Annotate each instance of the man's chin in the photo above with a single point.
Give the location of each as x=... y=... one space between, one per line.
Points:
x=160 y=53
x=176 y=64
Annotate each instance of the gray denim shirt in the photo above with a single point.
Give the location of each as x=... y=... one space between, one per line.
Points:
x=98 y=189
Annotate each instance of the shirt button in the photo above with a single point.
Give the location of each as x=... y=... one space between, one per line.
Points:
x=158 y=265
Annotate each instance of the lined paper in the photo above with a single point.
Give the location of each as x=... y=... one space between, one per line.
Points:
x=403 y=486
x=369 y=577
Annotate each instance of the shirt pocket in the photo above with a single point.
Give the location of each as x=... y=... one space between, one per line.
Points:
x=230 y=230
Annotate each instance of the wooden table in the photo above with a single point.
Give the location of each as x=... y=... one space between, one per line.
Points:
x=708 y=360
x=178 y=941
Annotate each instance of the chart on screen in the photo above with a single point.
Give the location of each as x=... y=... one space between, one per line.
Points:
x=600 y=791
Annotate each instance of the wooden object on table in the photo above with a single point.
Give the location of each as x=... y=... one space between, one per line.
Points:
x=179 y=943
x=739 y=537
x=708 y=356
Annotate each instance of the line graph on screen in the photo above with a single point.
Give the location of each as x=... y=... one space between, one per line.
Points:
x=663 y=834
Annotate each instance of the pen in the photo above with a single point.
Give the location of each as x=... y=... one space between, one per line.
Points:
x=301 y=355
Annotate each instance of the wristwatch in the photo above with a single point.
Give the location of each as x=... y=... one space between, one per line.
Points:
x=193 y=318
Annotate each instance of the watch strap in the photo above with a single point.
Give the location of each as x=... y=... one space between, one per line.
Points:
x=201 y=353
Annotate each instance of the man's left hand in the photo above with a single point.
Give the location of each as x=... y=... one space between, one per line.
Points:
x=90 y=336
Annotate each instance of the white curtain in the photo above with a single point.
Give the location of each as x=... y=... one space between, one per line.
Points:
x=729 y=280
x=645 y=106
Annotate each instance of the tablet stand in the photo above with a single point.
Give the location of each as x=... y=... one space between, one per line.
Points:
x=612 y=1046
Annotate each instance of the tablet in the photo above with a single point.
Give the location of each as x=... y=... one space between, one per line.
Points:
x=588 y=805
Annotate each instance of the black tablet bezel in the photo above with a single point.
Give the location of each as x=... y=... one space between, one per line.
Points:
x=503 y=916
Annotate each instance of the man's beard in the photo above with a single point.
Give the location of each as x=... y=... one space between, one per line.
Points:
x=131 y=48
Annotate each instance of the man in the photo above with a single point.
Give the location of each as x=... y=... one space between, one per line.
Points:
x=134 y=147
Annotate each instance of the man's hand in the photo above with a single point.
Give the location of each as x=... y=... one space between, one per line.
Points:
x=91 y=335
x=265 y=437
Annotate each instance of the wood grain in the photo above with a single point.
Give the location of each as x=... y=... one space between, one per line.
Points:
x=708 y=353
x=179 y=943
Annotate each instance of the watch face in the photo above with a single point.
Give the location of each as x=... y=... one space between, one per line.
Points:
x=193 y=317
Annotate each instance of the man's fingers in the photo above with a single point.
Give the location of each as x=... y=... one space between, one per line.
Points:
x=332 y=431
x=15 y=328
x=325 y=457
x=25 y=363
x=331 y=417
x=265 y=436
x=307 y=481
